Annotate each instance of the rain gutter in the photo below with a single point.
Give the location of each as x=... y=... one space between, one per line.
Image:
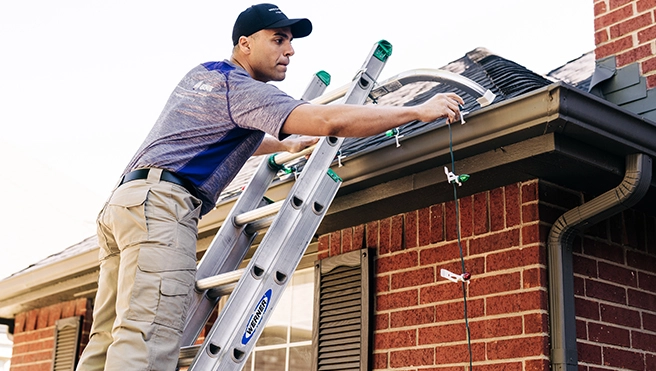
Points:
x=634 y=186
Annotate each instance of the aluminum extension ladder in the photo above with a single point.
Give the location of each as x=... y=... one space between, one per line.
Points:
x=234 y=334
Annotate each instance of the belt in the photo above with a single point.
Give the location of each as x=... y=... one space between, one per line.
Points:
x=166 y=176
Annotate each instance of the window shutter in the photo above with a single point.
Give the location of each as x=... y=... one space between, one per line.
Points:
x=341 y=333
x=67 y=338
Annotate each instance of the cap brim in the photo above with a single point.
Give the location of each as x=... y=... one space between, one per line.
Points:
x=300 y=27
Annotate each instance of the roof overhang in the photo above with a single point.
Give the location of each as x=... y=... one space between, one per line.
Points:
x=556 y=133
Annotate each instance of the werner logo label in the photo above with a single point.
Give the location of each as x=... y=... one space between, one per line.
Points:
x=256 y=317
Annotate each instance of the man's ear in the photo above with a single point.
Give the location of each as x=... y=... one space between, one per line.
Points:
x=244 y=45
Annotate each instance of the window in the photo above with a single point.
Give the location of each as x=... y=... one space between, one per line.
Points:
x=286 y=341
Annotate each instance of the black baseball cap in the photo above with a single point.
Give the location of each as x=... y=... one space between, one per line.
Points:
x=267 y=16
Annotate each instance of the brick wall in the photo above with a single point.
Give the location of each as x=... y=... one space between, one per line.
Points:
x=34 y=334
x=627 y=29
x=615 y=291
x=419 y=319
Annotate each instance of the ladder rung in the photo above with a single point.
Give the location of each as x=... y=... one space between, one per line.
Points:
x=257 y=214
x=187 y=355
x=216 y=282
x=285 y=157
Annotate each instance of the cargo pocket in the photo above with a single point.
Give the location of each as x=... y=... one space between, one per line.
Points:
x=163 y=285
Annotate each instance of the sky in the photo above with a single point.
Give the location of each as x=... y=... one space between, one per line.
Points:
x=83 y=81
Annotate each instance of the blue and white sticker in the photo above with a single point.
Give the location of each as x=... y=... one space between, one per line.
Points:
x=256 y=317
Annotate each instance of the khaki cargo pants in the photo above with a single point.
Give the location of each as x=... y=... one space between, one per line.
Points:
x=147 y=234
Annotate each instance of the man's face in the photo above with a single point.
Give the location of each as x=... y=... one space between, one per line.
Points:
x=270 y=52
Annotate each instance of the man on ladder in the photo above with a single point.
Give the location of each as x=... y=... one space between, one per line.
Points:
x=215 y=119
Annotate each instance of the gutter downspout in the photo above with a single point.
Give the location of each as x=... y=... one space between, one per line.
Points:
x=634 y=186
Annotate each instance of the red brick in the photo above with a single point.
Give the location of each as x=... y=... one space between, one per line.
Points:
x=495 y=241
x=347 y=240
x=626 y=359
x=384 y=236
x=642 y=300
x=455 y=310
x=515 y=303
x=372 y=235
x=600 y=8
x=445 y=354
x=535 y=277
x=643 y=341
x=466 y=217
x=497 y=210
x=410 y=227
x=630 y=25
x=518 y=347
x=335 y=243
x=530 y=213
x=604 y=291
x=650 y=362
x=450 y=224
x=602 y=333
x=651 y=83
x=649 y=321
x=19 y=323
x=497 y=327
x=513 y=208
x=396 y=339
x=30 y=323
x=603 y=250
x=417 y=277
x=358 y=237
x=644 y=5
x=54 y=314
x=587 y=308
x=589 y=353
x=641 y=261
x=424 y=226
x=530 y=233
x=380 y=361
x=529 y=191
x=439 y=254
x=585 y=266
x=613 y=47
x=536 y=365
x=631 y=56
x=396 y=233
x=412 y=358
x=536 y=323
x=620 y=316
x=646 y=35
x=324 y=243
x=382 y=321
x=412 y=317
x=613 y=17
x=481 y=216
x=437 y=223
x=618 y=275
x=495 y=284
x=440 y=292
x=396 y=300
x=614 y=4
x=382 y=283
x=442 y=334
x=520 y=257
x=601 y=36
x=397 y=262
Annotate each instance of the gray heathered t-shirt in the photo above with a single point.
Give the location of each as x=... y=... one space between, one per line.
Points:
x=212 y=123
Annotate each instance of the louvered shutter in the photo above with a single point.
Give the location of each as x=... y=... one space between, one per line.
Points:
x=67 y=338
x=343 y=304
